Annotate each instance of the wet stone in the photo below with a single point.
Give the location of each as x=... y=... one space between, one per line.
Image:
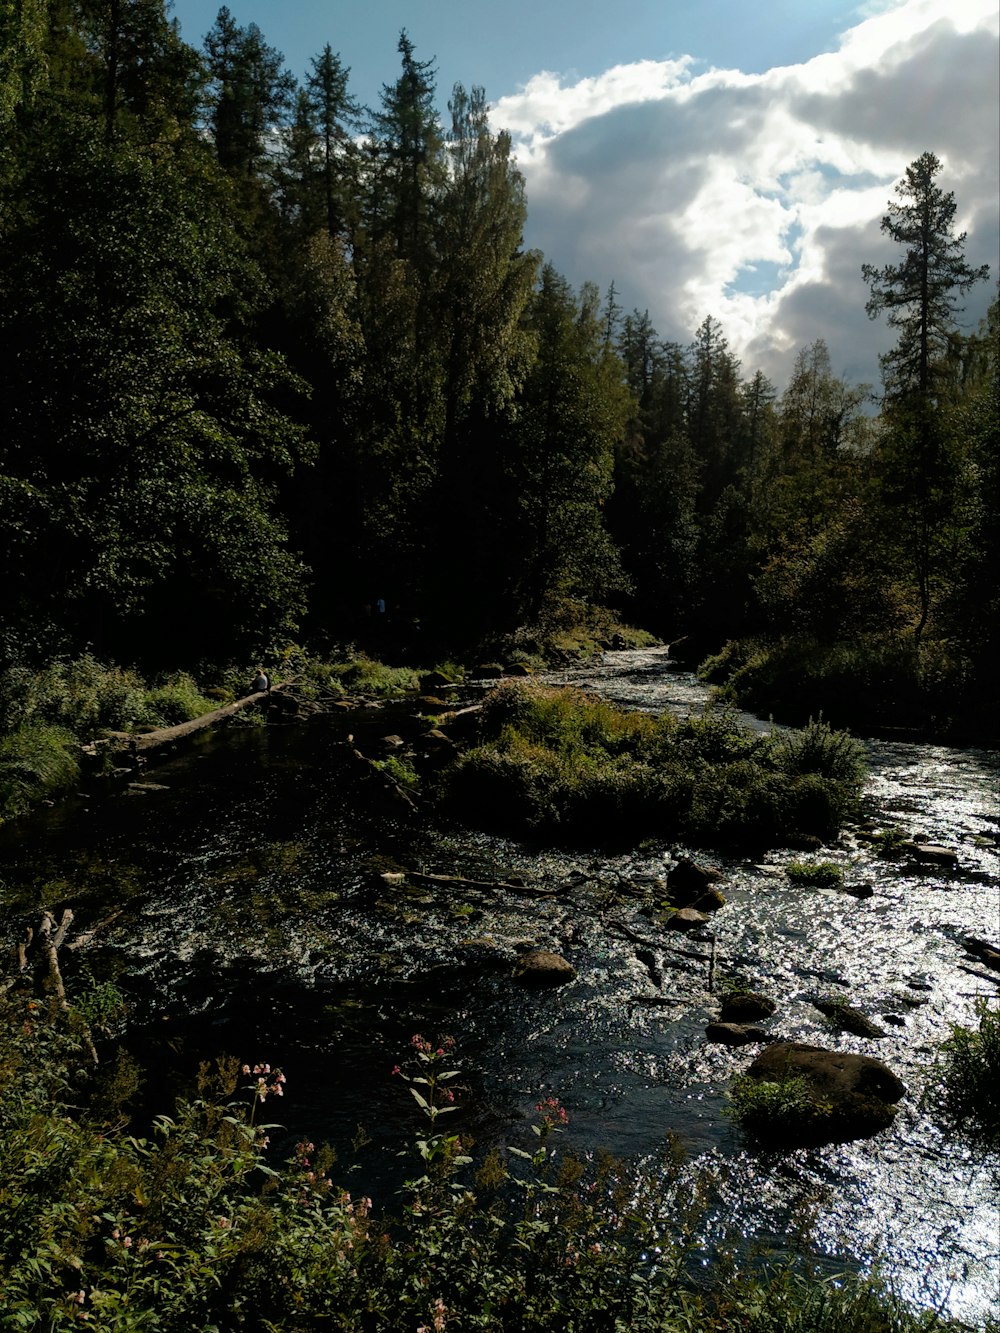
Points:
x=745 y=1006
x=686 y=919
x=542 y=968
x=735 y=1034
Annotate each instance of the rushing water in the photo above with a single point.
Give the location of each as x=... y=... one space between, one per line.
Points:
x=254 y=917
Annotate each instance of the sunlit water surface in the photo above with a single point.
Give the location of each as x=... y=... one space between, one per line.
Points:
x=255 y=919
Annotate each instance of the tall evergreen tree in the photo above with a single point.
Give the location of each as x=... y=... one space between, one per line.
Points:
x=920 y=294
x=250 y=94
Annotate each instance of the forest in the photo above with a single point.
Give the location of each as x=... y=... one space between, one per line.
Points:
x=275 y=359
x=281 y=385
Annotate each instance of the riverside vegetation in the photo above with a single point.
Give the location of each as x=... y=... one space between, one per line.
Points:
x=193 y=1224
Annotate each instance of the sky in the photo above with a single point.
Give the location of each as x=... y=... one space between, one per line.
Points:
x=708 y=157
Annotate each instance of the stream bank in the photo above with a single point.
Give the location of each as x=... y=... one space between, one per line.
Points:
x=262 y=915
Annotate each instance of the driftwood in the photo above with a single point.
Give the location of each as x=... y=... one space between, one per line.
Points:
x=461 y=882
x=50 y=939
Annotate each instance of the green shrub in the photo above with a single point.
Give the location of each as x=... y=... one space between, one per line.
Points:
x=177 y=700
x=561 y=761
x=817 y=749
x=365 y=676
x=970 y=1075
x=816 y=874
x=84 y=695
x=36 y=760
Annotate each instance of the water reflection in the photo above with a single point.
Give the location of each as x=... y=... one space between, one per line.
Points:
x=257 y=919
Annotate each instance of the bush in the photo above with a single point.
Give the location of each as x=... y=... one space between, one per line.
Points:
x=815 y=874
x=970 y=1075
x=83 y=695
x=36 y=760
x=177 y=700
x=776 y=1111
x=365 y=676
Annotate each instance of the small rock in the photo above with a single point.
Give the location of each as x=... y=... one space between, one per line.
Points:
x=543 y=968
x=848 y=1019
x=895 y=1020
x=734 y=1034
x=685 y=919
x=859 y=890
x=929 y=853
x=744 y=1005
x=390 y=743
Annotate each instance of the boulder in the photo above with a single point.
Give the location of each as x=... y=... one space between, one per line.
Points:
x=744 y=1006
x=850 y=1096
x=709 y=902
x=687 y=881
x=735 y=1034
x=433 y=680
x=541 y=968
x=518 y=669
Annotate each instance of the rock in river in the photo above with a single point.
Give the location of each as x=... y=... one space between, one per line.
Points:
x=850 y=1096
x=543 y=968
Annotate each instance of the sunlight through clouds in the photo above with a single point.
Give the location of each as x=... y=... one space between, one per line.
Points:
x=756 y=197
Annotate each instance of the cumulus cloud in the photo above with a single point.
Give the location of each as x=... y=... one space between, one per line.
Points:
x=755 y=198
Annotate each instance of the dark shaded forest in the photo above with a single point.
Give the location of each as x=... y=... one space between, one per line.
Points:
x=272 y=358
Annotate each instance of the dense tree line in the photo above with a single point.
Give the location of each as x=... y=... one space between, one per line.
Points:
x=272 y=356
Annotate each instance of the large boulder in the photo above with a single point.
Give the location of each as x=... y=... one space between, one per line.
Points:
x=812 y=1095
x=542 y=968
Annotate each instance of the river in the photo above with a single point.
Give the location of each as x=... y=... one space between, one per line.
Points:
x=255 y=917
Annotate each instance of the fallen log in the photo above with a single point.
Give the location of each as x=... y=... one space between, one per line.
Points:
x=141 y=742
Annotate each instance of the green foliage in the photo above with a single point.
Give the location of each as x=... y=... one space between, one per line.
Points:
x=776 y=1111
x=363 y=675
x=400 y=770
x=177 y=700
x=970 y=1075
x=36 y=760
x=84 y=695
x=567 y=764
x=197 y=1227
x=815 y=874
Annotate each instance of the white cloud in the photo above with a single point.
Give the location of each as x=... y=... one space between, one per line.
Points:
x=756 y=198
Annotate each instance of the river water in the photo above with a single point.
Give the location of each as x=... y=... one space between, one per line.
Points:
x=254 y=916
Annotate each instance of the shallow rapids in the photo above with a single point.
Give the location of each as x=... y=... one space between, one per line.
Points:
x=260 y=914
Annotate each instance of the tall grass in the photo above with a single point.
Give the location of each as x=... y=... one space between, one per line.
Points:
x=37 y=760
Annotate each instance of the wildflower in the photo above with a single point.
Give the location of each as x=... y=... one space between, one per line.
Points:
x=127 y=1242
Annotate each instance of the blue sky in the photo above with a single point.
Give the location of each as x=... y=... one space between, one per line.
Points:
x=711 y=157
